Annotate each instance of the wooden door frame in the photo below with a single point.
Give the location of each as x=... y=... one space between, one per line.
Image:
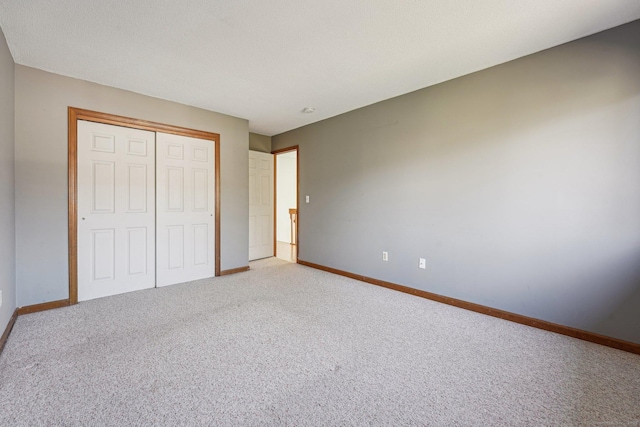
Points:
x=275 y=153
x=75 y=114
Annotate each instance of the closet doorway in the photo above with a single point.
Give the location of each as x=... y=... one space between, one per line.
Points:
x=144 y=205
x=286 y=206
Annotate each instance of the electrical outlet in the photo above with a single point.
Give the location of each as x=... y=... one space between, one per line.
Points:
x=385 y=256
x=422 y=264
x=306 y=199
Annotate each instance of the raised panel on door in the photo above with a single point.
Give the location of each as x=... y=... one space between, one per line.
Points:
x=116 y=210
x=185 y=222
x=137 y=188
x=103 y=187
x=175 y=247
x=253 y=240
x=200 y=244
x=200 y=183
x=265 y=225
x=137 y=238
x=174 y=189
x=261 y=204
x=103 y=262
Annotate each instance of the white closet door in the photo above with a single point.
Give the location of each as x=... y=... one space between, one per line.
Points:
x=260 y=205
x=116 y=210
x=185 y=207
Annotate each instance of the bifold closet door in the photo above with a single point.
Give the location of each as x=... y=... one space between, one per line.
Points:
x=185 y=209
x=116 y=210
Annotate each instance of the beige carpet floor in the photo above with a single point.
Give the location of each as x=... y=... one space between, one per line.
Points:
x=284 y=344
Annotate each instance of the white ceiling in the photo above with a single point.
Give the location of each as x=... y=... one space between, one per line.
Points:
x=267 y=60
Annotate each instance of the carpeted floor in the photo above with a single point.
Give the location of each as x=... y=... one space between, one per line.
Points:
x=284 y=344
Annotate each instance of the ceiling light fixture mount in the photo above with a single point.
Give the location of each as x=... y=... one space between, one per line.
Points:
x=308 y=110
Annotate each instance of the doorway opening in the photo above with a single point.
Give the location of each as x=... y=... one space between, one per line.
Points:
x=286 y=206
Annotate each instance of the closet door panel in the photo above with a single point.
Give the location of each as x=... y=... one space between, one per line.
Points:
x=116 y=210
x=185 y=209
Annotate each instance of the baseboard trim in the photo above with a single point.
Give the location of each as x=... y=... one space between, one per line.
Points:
x=506 y=315
x=44 y=306
x=234 y=270
x=7 y=330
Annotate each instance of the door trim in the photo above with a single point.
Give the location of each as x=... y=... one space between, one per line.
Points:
x=75 y=114
x=275 y=153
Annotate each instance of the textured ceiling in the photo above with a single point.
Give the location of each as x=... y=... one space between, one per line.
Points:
x=267 y=60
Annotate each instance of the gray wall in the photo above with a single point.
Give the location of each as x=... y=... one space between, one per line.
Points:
x=41 y=172
x=7 y=210
x=260 y=143
x=519 y=184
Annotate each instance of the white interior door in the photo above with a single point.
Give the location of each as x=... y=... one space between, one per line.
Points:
x=185 y=208
x=260 y=205
x=116 y=210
